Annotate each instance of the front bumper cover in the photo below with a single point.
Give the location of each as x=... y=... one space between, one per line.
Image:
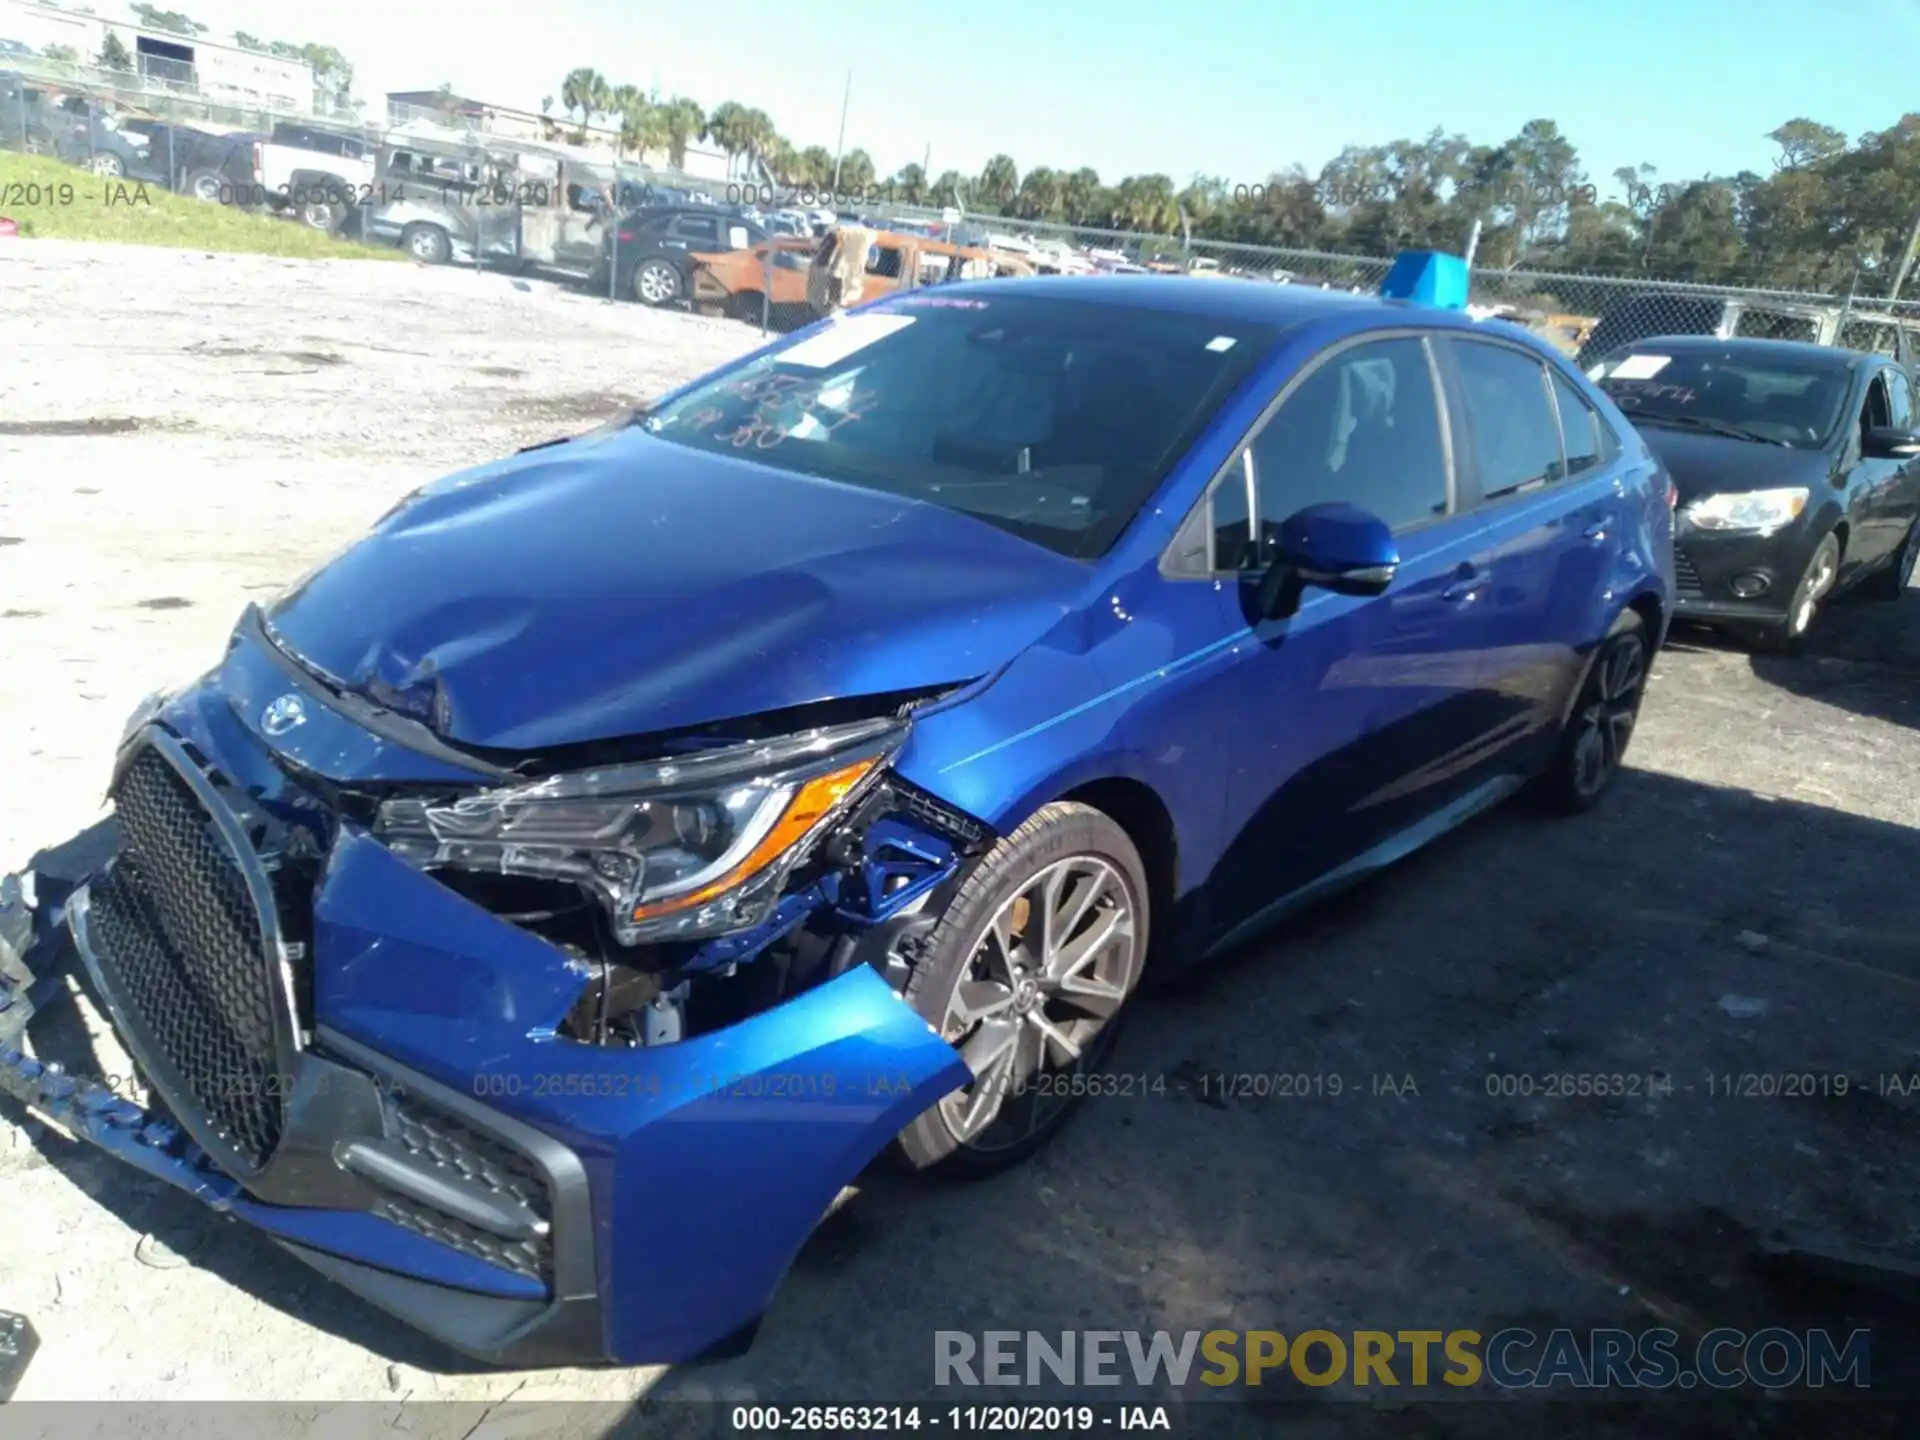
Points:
x=679 y=1180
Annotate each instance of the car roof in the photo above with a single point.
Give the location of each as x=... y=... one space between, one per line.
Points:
x=1804 y=352
x=1281 y=306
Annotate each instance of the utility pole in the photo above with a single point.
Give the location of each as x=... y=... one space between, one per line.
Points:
x=1473 y=243
x=840 y=146
x=1906 y=259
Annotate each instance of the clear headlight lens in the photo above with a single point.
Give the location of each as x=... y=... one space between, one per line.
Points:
x=678 y=849
x=1756 y=510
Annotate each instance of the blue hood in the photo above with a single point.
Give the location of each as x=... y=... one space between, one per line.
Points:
x=620 y=585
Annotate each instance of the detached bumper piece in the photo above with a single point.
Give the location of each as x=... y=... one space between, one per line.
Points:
x=363 y=1170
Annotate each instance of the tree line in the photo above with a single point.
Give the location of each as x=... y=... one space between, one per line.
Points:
x=1832 y=212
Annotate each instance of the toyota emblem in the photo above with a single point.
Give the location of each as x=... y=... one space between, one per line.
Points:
x=283 y=714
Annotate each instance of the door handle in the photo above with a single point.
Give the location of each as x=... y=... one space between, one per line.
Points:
x=1465 y=588
x=1596 y=531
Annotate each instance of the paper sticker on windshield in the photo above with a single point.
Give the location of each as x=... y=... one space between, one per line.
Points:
x=737 y=236
x=849 y=337
x=1220 y=343
x=1640 y=367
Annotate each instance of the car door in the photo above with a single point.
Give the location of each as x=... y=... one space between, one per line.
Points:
x=692 y=235
x=1352 y=720
x=1905 y=495
x=1877 y=490
x=1545 y=475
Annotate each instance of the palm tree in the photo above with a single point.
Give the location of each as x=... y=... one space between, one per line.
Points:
x=584 y=90
x=950 y=189
x=1079 y=194
x=684 y=122
x=911 y=181
x=1039 y=195
x=999 y=181
x=813 y=166
x=856 y=171
x=728 y=126
x=781 y=158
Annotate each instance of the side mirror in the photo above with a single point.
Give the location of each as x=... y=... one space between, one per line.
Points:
x=1889 y=442
x=1337 y=547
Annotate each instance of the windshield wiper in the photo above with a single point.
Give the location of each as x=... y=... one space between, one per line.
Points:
x=1709 y=424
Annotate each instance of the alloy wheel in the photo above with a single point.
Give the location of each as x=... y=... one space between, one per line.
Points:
x=1043 y=980
x=657 y=283
x=1607 y=718
x=1813 y=586
x=107 y=165
x=206 y=188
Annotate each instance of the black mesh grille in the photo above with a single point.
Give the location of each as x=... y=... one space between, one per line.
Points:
x=461 y=1150
x=182 y=948
x=1686 y=579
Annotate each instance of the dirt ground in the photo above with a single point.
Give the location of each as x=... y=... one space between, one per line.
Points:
x=1745 y=902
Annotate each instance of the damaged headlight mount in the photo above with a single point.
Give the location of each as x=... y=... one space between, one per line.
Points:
x=679 y=849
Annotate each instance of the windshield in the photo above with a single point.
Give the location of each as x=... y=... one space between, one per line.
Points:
x=1054 y=419
x=1790 y=400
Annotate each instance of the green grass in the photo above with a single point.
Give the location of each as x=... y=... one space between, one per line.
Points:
x=49 y=200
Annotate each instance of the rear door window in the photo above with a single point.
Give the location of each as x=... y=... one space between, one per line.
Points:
x=1515 y=433
x=1580 y=428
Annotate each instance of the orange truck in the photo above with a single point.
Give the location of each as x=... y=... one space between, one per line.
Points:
x=803 y=280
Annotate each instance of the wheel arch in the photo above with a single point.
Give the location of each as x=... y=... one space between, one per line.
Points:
x=1136 y=807
x=1644 y=603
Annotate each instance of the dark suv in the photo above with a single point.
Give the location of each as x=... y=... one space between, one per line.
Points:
x=214 y=168
x=647 y=252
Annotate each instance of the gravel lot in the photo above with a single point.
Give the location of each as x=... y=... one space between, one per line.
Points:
x=1745 y=902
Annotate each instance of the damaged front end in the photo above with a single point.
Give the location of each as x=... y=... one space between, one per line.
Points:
x=559 y=1062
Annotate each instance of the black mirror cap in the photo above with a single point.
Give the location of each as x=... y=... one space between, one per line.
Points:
x=1890 y=442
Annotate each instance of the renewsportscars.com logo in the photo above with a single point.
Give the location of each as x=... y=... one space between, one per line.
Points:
x=1510 y=1359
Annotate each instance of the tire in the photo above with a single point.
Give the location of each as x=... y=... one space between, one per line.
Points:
x=107 y=165
x=1593 y=742
x=208 y=186
x=318 y=215
x=428 y=244
x=657 y=282
x=1788 y=636
x=1891 y=582
x=982 y=986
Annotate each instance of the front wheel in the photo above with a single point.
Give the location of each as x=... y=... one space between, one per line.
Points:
x=1593 y=743
x=108 y=165
x=1026 y=975
x=1788 y=636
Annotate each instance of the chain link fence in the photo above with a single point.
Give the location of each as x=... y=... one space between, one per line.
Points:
x=147 y=128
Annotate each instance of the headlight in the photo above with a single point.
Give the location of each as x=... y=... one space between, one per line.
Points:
x=677 y=849
x=1757 y=510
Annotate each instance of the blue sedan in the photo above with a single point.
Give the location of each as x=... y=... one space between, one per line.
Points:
x=547 y=907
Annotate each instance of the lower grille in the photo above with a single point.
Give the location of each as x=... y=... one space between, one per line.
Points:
x=1686 y=579
x=451 y=1144
x=184 y=952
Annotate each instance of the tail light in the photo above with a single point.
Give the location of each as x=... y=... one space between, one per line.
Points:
x=625 y=237
x=1673 y=496
x=258 y=172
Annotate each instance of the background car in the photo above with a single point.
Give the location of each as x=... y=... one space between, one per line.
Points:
x=1797 y=468
x=649 y=252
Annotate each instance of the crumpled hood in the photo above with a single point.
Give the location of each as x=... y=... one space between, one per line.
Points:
x=1703 y=464
x=621 y=585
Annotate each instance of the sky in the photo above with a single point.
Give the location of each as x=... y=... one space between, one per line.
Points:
x=1232 y=88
